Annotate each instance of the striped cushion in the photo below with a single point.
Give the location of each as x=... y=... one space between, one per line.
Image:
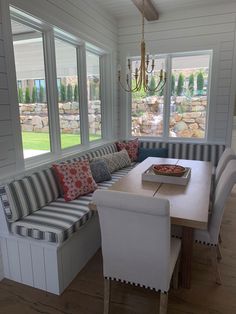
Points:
x=194 y=151
x=108 y=149
x=59 y=219
x=31 y=193
x=5 y=203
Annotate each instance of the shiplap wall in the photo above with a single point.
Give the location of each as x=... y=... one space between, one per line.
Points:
x=8 y=159
x=200 y=29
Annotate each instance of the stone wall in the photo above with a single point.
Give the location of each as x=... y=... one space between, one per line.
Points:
x=187 y=116
x=34 y=117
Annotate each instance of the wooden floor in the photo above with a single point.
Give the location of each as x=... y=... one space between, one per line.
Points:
x=85 y=294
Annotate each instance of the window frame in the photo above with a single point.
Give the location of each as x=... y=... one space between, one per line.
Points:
x=49 y=34
x=167 y=96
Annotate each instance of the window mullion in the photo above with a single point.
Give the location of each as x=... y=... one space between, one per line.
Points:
x=104 y=98
x=167 y=99
x=52 y=92
x=83 y=97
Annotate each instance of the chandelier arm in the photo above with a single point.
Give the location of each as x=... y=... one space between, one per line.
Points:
x=124 y=88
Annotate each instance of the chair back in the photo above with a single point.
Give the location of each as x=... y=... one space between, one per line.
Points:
x=223 y=189
x=135 y=238
x=227 y=155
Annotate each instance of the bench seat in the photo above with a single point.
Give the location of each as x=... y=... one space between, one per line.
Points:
x=58 y=220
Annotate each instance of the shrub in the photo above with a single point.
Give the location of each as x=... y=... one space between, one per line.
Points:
x=20 y=96
x=191 y=84
x=69 y=92
x=76 y=93
x=180 y=85
x=62 y=93
x=34 y=95
x=151 y=87
x=41 y=94
x=27 y=95
x=200 y=83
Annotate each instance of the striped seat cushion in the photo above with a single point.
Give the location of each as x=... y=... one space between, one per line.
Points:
x=31 y=193
x=57 y=221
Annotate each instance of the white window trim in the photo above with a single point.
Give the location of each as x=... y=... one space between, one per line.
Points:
x=166 y=113
x=49 y=34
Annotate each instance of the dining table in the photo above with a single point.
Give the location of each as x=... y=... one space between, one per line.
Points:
x=189 y=204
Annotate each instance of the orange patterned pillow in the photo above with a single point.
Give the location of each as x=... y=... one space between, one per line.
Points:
x=131 y=147
x=75 y=179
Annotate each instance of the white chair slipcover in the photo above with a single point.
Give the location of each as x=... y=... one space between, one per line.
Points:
x=227 y=155
x=136 y=244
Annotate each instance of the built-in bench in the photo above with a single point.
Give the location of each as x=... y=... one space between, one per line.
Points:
x=46 y=241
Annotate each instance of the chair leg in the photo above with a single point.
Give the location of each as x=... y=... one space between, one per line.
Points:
x=107 y=295
x=163 y=303
x=220 y=238
x=215 y=265
x=176 y=274
x=219 y=255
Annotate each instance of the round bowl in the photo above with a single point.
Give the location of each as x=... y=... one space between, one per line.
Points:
x=168 y=170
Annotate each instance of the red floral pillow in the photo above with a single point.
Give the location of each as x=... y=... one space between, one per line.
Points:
x=75 y=179
x=131 y=147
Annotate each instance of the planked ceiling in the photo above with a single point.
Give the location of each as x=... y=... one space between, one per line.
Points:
x=123 y=8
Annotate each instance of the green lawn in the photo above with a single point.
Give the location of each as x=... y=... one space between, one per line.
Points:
x=40 y=141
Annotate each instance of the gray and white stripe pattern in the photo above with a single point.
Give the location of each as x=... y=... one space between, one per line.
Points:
x=109 y=149
x=59 y=219
x=31 y=193
x=5 y=203
x=192 y=151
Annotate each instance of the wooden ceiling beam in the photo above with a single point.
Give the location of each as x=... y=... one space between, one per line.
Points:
x=150 y=12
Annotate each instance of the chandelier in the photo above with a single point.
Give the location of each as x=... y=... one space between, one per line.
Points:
x=139 y=79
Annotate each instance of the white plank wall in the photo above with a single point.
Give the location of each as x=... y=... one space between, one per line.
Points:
x=209 y=28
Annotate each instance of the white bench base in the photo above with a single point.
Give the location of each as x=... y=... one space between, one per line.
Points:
x=50 y=267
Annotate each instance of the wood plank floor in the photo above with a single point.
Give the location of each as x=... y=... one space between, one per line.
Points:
x=85 y=294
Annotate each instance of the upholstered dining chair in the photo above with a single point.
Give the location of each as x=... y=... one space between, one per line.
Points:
x=227 y=155
x=211 y=235
x=136 y=244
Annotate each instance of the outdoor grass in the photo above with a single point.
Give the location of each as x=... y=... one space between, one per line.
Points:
x=40 y=141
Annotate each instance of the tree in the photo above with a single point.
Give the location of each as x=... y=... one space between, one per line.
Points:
x=172 y=85
x=69 y=92
x=200 y=83
x=152 y=86
x=191 y=84
x=76 y=94
x=20 y=96
x=180 y=85
x=41 y=94
x=63 y=93
x=34 y=95
x=27 y=95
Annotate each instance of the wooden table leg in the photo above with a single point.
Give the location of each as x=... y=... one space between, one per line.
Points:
x=187 y=251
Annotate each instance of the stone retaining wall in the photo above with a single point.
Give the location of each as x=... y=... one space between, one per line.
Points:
x=187 y=116
x=34 y=117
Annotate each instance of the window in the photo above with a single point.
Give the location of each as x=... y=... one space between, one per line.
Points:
x=56 y=91
x=147 y=107
x=94 y=96
x=186 y=97
x=32 y=98
x=68 y=93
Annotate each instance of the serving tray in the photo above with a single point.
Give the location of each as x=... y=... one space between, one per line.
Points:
x=149 y=175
